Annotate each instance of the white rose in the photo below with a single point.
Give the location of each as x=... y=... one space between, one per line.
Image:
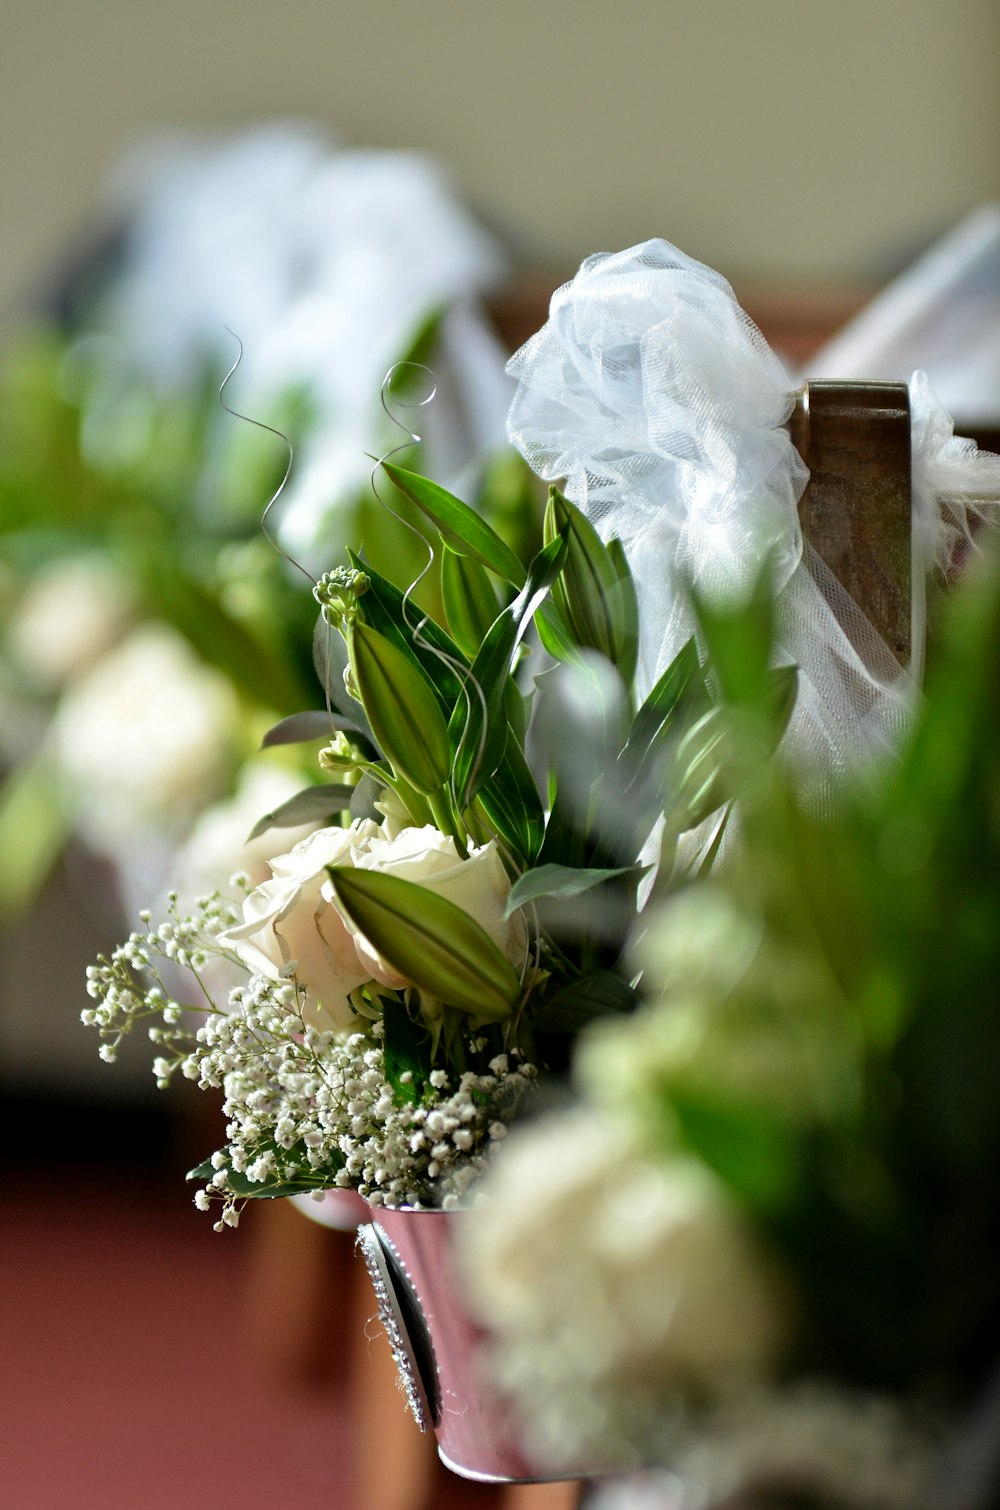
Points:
x=611 y=1278
x=145 y=738
x=478 y=885
x=289 y=918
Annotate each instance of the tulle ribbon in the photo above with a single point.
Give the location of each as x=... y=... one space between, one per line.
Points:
x=657 y=399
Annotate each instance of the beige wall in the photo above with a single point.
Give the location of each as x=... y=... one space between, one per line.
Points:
x=778 y=139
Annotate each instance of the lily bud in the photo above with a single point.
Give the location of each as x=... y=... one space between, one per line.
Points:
x=402 y=709
x=429 y=941
x=594 y=590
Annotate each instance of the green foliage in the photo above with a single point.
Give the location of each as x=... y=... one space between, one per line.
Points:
x=458 y=525
x=845 y=1084
x=470 y=602
x=314 y=804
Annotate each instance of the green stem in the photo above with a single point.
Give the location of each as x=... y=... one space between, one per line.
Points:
x=447 y=820
x=419 y=807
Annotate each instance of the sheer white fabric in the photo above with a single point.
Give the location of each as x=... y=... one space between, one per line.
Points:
x=661 y=405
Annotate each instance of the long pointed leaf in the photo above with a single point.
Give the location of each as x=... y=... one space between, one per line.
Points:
x=512 y=805
x=561 y=881
x=469 y=599
x=300 y=728
x=458 y=524
x=682 y=678
x=312 y=805
x=479 y=730
x=571 y=1009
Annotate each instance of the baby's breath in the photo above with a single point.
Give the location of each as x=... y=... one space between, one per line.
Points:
x=129 y=987
x=307 y=1109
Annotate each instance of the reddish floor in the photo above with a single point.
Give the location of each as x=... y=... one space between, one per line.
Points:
x=127 y=1378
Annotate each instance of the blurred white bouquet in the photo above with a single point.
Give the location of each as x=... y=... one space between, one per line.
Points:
x=132 y=565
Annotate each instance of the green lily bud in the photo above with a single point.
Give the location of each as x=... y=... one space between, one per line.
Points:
x=402 y=709
x=430 y=941
x=594 y=590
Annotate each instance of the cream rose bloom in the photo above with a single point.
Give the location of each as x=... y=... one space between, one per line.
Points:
x=144 y=738
x=289 y=920
x=613 y=1278
x=295 y=916
x=425 y=856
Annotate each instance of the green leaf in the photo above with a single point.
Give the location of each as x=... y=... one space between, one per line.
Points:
x=592 y=996
x=625 y=614
x=313 y=804
x=699 y=765
x=562 y=881
x=555 y=634
x=458 y=525
x=469 y=599
x=512 y=805
x=406 y=1051
x=429 y=941
x=402 y=708
x=368 y=791
x=300 y=728
x=241 y=1184
x=682 y=683
x=478 y=727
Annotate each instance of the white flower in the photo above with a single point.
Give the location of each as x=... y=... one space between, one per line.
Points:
x=294 y=918
x=290 y=919
x=144 y=737
x=479 y=885
x=68 y=616
x=608 y=1275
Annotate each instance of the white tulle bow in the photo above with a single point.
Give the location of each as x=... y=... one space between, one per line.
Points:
x=657 y=399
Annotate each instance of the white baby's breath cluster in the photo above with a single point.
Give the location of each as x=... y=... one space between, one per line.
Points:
x=118 y=983
x=311 y=1109
x=308 y=1108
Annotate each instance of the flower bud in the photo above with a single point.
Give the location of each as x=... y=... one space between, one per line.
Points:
x=594 y=590
x=402 y=708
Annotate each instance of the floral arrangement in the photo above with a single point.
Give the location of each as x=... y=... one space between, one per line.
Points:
x=757 y=1247
x=412 y=967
